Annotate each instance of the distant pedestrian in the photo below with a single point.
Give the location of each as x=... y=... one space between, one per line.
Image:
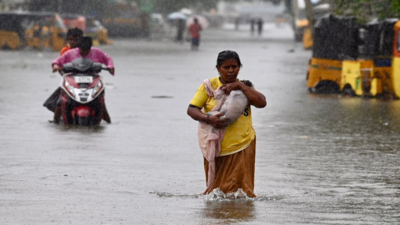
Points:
x=237 y=22
x=260 y=24
x=252 y=23
x=280 y=20
x=194 y=30
x=180 y=29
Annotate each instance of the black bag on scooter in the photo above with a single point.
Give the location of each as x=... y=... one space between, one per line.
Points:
x=51 y=102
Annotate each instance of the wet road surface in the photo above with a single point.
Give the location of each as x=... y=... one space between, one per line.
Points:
x=321 y=159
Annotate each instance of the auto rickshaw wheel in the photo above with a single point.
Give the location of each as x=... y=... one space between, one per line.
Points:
x=298 y=37
x=348 y=91
x=6 y=47
x=327 y=87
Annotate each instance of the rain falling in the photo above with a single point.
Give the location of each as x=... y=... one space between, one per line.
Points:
x=199 y=112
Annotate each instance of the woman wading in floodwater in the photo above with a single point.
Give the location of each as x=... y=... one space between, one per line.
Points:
x=234 y=164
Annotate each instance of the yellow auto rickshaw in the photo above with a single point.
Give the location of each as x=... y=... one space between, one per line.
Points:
x=97 y=31
x=123 y=19
x=307 y=38
x=334 y=41
x=396 y=61
x=32 y=29
x=12 y=32
x=371 y=74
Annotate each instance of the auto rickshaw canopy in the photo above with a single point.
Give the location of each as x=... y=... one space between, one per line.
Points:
x=335 y=38
x=19 y=21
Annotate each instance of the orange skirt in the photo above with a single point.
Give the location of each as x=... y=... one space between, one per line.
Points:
x=235 y=171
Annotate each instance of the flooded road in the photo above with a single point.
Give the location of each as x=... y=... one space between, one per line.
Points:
x=321 y=159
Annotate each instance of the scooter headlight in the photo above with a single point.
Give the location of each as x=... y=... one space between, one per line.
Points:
x=97 y=89
x=69 y=88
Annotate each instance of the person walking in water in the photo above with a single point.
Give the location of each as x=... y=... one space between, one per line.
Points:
x=252 y=24
x=194 y=30
x=237 y=21
x=234 y=164
x=180 y=29
x=260 y=24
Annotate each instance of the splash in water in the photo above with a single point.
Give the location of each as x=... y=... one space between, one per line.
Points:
x=218 y=195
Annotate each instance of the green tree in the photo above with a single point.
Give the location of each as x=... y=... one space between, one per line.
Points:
x=365 y=10
x=362 y=10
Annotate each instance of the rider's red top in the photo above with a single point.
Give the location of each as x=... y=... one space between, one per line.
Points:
x=95 y=54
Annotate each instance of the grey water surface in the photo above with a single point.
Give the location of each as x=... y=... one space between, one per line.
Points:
x=321 y=159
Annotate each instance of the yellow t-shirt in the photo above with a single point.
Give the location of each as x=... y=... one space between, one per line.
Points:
x=239 y=134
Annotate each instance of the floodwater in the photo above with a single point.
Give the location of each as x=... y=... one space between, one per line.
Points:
x=321 y=159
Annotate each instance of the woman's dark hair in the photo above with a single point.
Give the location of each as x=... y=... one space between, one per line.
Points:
x=85 y=43
x=76 y=32
x=227 y=54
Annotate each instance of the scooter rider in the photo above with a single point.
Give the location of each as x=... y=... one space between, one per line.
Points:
x=73 y=36
x=85 y=50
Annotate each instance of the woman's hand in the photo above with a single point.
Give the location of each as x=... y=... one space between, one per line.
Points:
x=237 y=85
x=256 y=98
x=216 y=120
x=213 y=120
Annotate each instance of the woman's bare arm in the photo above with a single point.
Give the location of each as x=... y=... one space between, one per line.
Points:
x=213 y=120
x=255 y=97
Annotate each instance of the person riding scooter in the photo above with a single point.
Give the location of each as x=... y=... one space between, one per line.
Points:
x=73 y=36
x=84 y=50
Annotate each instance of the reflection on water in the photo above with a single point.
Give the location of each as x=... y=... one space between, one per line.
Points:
x=220 y=208
x=233 y=211
x=81 y=129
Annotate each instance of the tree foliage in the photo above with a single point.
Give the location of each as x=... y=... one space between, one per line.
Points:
x=362 y=10
x=365 y=10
